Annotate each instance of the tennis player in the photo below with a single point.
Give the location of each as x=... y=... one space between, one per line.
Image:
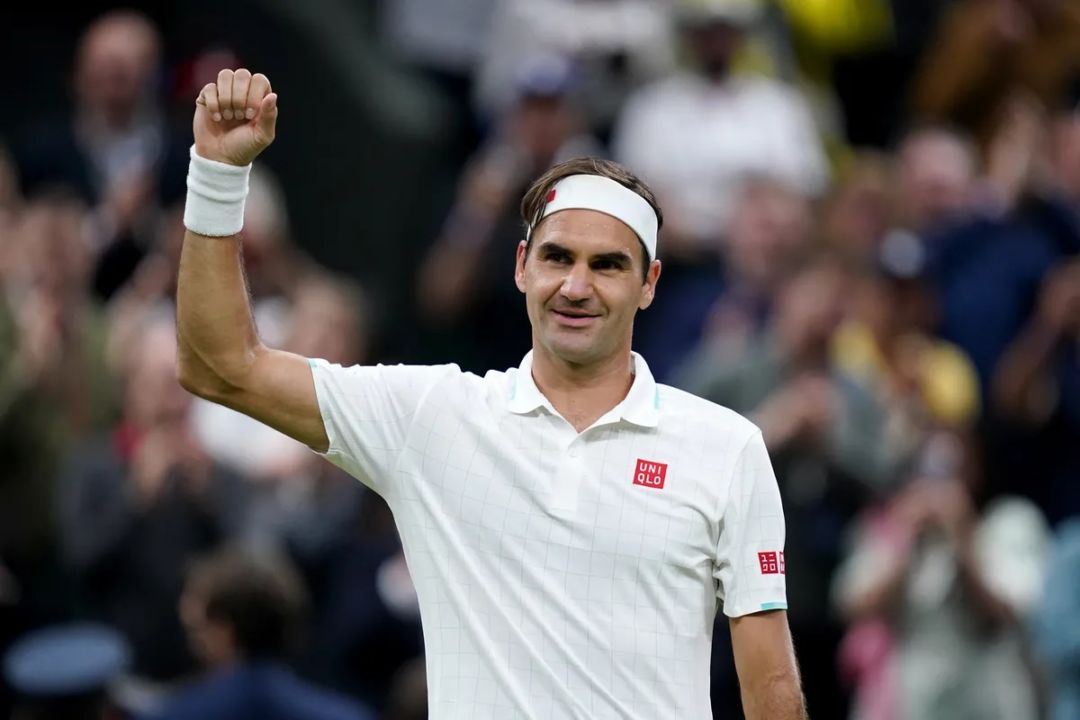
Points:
x=571 y=526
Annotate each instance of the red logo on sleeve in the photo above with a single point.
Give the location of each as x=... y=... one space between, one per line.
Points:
x=772 y=563
x=650 y=474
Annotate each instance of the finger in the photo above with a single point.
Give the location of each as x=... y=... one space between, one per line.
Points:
x=209 y=98
x=267 y=118
x=224 y=91
x=257 y=90
x=241 y=81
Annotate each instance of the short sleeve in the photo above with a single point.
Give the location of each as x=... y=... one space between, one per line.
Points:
x=749 y=567
x=367 y=411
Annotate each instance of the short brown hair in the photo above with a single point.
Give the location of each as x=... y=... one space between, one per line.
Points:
x=260 y=596
x=535 y=199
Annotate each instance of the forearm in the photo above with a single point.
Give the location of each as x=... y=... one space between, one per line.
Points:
x=216 y=330
x=1023 y=365
x=985 y=603
x=778 y=697
x=768 y=672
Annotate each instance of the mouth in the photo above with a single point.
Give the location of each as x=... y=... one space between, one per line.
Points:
x=574 y=318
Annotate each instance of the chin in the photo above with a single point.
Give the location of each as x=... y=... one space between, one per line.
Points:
x=578 y=351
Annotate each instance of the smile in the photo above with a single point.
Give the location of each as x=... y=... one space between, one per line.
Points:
x=573 y=319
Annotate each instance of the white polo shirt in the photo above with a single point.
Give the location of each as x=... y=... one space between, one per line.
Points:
x=562 y=575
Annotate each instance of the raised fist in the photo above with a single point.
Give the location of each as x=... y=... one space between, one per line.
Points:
x=235 y=117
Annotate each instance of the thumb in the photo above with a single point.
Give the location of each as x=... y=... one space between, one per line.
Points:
x=267 y=119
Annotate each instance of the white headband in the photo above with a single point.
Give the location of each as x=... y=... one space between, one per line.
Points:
x=594 y=192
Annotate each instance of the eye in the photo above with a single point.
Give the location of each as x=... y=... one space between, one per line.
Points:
x=556 y=256
x=607 y=264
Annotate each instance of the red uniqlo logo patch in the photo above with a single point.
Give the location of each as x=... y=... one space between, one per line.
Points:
x=772 y=563
x=650 y=474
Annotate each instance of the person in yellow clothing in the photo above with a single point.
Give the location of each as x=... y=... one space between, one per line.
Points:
x=886 y=344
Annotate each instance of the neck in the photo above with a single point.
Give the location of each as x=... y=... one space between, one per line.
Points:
x=583 y=393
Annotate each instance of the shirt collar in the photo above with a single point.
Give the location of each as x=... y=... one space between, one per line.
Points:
x=641 y=406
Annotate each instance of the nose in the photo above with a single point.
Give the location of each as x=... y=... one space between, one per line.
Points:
x=577 y=285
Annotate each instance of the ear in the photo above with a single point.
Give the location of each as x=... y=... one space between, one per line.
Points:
x=648 y=290
x=519 y=267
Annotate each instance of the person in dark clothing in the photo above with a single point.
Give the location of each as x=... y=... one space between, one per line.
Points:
x=242 y=613
x=115 y=151
x=139 y=504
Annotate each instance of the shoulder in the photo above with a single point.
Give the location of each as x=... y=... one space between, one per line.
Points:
x=701 y=416
x=658 y=96
x=286 y=691
x=219 y=696
x=392 y=378
x=766 y=91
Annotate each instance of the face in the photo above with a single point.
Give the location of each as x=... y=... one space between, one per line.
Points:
x=936 y=174
x=118 y=56
x=211 y=642
x=542 y=125
x=154 y=397
x=769 y=224
x=713 y=45
x=582 y=284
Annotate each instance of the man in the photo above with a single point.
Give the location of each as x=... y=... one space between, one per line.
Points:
x=116 y=151
x=569 y=524
x=137 y=504
x=701 y=132
x=242 y=613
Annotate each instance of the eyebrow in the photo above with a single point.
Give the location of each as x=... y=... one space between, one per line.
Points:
x=617 y=256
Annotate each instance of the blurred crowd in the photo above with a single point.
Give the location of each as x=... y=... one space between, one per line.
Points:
x=871 y=249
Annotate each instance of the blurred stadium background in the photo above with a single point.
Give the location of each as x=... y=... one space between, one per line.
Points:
x=873 y=220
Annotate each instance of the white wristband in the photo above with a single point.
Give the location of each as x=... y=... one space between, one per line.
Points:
x=215 y=198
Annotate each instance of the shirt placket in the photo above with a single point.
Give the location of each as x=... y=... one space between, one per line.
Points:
x=569 y=476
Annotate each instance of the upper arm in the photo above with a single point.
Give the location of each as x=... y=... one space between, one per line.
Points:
x=278 y=389
x=765 y=662
x=749 y=567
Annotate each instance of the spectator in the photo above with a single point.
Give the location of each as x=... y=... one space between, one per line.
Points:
x=138 y=504
x=65 y=672
x=617 y=45
x=997 y=267
x=857 y=211
x=992 y=267
x=730 y=298
x=55 y=387
x=699 y=134
x=243 y=614
x=1057 y=634
x=115 y=152
x=826 y=438
x=887 y=347
x=935 y=180
x=1037 y=390
x=938 y=587
x=469 y=271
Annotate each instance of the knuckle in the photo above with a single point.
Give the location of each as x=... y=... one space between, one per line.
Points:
x=225 y=74
x=243 y=73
